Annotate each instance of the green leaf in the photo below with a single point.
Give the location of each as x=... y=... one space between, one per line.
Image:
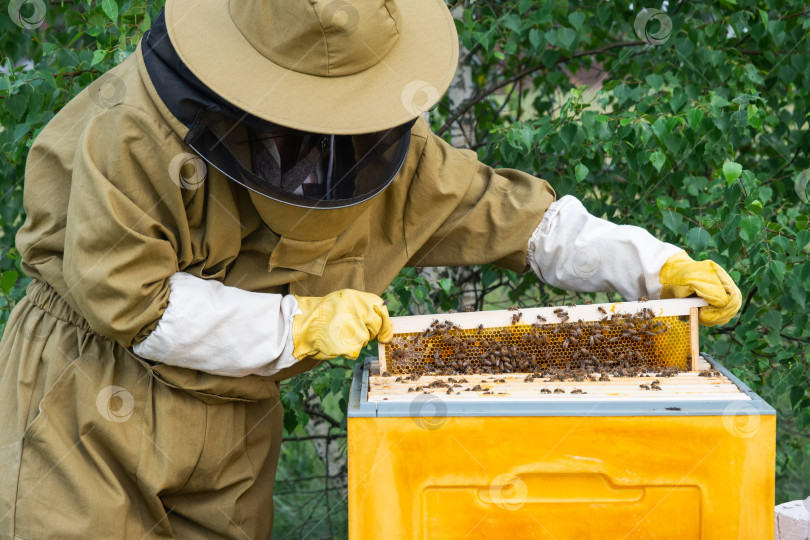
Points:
x=446 y=284
x=566 y=36
x=658 y=159
x=672 y=220
x=796 y=395
x=7 y=280
x=98 y=56
x=536 y=38
x=694 y=116
x=778 y=267
x=772 y=319
x=698 y=238
x=753 y=75
x=732 y=171
x=568 y=133
x=750 y=226
x=581 y=172
x=16 y=105
x=755 y=117
x=576 y=19
x=110 y=8
x=654 y=80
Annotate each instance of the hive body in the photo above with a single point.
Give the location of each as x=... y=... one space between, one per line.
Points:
x=560 y=466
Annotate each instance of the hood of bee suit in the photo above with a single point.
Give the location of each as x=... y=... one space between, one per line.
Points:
x=306 y=224
x=306 y=234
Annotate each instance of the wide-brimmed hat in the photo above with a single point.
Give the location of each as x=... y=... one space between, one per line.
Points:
x=322 y=66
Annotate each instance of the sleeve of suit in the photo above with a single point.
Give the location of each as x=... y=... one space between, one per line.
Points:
x=126 y=223
x=460 y=211
x=573 y=250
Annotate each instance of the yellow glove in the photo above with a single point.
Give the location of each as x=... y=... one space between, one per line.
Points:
x=682 y=277
x=339 y=324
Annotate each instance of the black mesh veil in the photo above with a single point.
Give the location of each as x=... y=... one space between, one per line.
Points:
x=299 y=168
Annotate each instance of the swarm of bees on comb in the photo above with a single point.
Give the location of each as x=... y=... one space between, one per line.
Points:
x=619 y=344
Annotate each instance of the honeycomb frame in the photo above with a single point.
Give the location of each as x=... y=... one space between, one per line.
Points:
x=619 y=338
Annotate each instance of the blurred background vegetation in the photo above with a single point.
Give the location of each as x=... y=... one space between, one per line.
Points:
x=688 y=119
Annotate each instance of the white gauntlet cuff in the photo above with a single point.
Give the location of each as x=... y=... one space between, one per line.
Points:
x=222 y=330
x=574 y=250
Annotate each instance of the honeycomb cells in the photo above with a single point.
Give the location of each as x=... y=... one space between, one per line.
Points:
x=624 y=345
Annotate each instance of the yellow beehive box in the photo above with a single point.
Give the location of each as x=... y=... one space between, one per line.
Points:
x=485 y=456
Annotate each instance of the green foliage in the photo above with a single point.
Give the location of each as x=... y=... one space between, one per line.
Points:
x=697 y=131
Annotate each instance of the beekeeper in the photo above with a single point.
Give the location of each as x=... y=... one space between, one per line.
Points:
x=219 y=212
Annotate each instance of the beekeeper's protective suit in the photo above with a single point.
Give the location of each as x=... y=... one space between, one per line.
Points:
x=220 y=212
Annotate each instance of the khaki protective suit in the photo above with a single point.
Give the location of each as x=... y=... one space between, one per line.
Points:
x=98 y=443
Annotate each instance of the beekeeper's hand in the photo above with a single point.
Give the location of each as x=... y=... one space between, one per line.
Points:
x=339 y=324
x=682 y=277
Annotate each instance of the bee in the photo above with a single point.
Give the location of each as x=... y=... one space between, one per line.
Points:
x=643 y=299
x=516 y=317
x=604 y=377
x=559 y=391
x=469 y=308
x=644 y=387
x=541 y=318
x=513 y=308
x=577 y=391
x=586 y=302
x=386 y=374
x=545 y=391
x=480 y=328
x=602 y=310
